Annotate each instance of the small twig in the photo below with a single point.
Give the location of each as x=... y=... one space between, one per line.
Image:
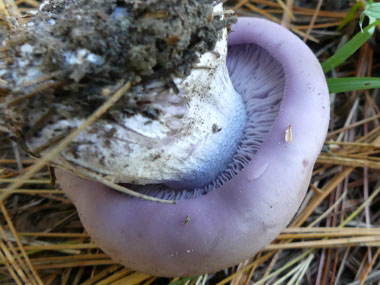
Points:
x=126 y=190
x=341 y=242
x=286 y=9
x=17 y=156
x=246 y=268
x=315 y=189
x=286 y=16
x=224 y=12
x=29 y=265
x=326 y=213
x=369 y=267
x=359 y=209
x=66 y=141
x=311 y=25
x=286 y=266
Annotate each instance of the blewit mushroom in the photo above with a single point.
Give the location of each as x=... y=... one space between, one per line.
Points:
x=250 y=202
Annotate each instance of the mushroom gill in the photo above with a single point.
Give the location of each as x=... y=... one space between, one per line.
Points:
x=260 y=81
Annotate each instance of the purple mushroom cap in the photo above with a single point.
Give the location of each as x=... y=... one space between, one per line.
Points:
x=234 y=222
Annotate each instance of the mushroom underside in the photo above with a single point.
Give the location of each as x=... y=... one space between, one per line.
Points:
x=260 y=80
x=234 y=222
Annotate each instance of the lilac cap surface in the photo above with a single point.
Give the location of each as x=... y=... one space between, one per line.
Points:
x=234 y=222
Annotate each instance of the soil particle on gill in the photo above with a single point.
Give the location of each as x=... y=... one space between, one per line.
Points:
x=73 y=53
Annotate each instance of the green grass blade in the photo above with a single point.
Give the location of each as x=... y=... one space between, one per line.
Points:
x=337 y=85
x=350 y=47
x=351 y=14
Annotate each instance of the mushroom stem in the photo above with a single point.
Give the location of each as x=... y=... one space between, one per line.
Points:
x=188 y=144
x=182 y=136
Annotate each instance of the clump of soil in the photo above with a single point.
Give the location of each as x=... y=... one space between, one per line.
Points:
x=75 y=52
x=128 y=39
